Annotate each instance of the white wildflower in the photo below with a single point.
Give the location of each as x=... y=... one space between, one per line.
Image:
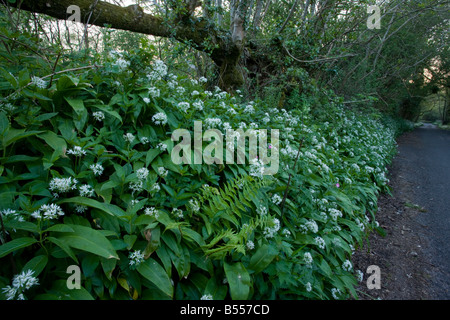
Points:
x=347 y=265
x=206 y=297
x=86 y=191
x=122 y=64
x=194 y=205
x=177 y=213
x=129 y=137
x=159 y=70
x=98 y=115
x=146 y=100
x=63 y=185
x=162 y=146
x=77 y=151
x=142 y=173
x=21 y=282
x=320 y=242
x=183 y=106
x=154 y=92
x=308 y=287
x=48 y=212
x=152 y=211
x=38 y=82
x=136 y=258
x=202 y=80
x=250 y=245
x=160 y=118
x=335 y=293
x=262 y=211
x=97 y=169
x=80 y=208
x=163 y=172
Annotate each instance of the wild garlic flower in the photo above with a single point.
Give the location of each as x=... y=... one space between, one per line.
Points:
x=136 y=258
x=160 y=118
x=38 y=82
x=195 y=93
x=129 y=137
x=320 y=242
x=97 y=169
x=183 y=106
x=276 y=199
x=146 y=100
x=335 y=293
x=77 y=151
x=142 y=173
x=206 y=297
x=163 y=172
x=347 y=265
x=312 y=226
x=307 y=257
x=249 y=109
x=250 y=245
x=262 y=211
x=86 y=191
x=80 y=208
x=180 y=90
x=151 y=211
x=63 y=185
x=195 y=207
x=98 y=115
x=159 y=70
x=202 y=80
x=154 y=92
x=21 y=282
x=177 y=213
x=269 y=232
x=198 y=105
x=212 y=123
x=122 y=64
x=162 y=146
x=136 y=186
x=155 y=187
x=48 y=212
x=257 y=168
x=308 y=287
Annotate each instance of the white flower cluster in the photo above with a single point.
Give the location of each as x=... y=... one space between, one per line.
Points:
x=195 y=206
x=262 y=211
x=63 y=185
x=162 y=146
x=48 y=212
x=159 y=70
x=86 y=191
x=12 y=214
x=269 y=232
x=21 y=282
x=122 y=64
x=97 y=169
x=98 y=115
x=154 y=92
x=77 y=151
x=152 y=211
x=320 y=242
x=163 y=172
x=206 y=297
x=142 y=173
x=160 y=118
x=178 y=213
x=307 y=257
x=212 y=123
x=347 y=265
x=250 y=245
x=257 y=168
x=136 y=258
x=129 y=137
x=38 y=82
x=183 y=106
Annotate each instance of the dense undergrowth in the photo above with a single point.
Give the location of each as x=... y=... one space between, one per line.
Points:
x=86 y=179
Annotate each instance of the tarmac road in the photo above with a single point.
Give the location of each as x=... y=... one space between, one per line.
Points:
x=425 y=157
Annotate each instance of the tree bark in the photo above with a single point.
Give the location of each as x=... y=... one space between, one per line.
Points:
x=197 y=32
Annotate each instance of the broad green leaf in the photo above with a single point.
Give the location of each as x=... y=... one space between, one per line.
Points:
x=153 y=272
x=90 y=240
x=59 y=228
x=105 y=207
x=63 y=247
x=262 y=258
x=77 y=105
x=37 y=264
x=16 y=244
x=238 y=280
x=14 y=135
x=109 y=111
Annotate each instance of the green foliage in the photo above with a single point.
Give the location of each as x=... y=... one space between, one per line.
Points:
x=86 y=178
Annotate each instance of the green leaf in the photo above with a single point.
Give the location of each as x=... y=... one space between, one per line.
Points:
x=59 y=228
x=105 y=207
x=77 y=105
x=90 y=240
x=262 y=258
x=14 y=135
x=238 y=279
x=37 y=264
x=152 y=271
x=63 y=247
x=16 y=244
